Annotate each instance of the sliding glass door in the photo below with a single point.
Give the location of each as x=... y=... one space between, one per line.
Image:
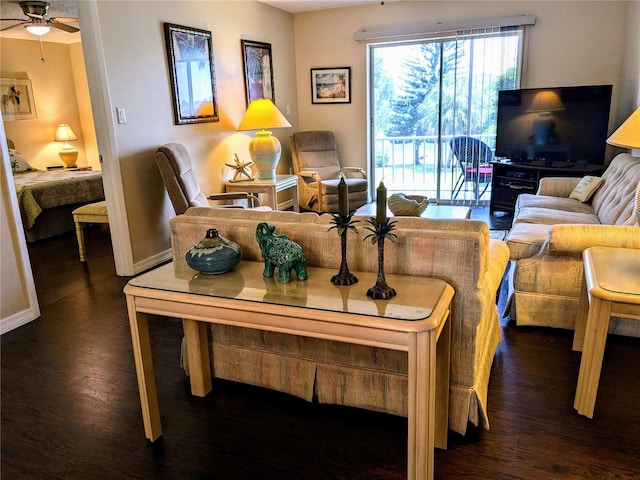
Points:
x=424 y=96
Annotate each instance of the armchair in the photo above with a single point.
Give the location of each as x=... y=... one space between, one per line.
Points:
x=174 y=163
x=316 y=161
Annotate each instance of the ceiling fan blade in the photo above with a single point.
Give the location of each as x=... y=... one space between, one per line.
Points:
x=34 y=15
x=64 y=26
x=64 y=19
x=12 y=26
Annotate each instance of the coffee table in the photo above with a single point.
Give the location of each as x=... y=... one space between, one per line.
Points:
x=611 y=287
x=443 y=212
x=456 y=212
x=415 y=321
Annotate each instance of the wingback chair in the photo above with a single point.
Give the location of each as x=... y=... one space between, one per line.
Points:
x=174 y=163
x=316 y=161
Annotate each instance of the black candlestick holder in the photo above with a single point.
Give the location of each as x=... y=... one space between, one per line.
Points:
x=379 y=232
x=344 y=223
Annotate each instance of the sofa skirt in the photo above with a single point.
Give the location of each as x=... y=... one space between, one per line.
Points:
x=331 y=372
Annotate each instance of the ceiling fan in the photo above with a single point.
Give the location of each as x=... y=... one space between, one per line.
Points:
x=38 y=21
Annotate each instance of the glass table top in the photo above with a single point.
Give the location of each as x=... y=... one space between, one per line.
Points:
x=415 y=300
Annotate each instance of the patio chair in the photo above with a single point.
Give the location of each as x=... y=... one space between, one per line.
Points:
x=316 y=162
x=474 y=157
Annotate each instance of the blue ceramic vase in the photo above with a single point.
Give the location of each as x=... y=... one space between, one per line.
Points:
x=213 y=254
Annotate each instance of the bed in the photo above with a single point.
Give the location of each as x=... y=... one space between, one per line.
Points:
x=47 y=198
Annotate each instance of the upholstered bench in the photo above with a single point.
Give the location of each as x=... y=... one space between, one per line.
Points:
x=90 y=213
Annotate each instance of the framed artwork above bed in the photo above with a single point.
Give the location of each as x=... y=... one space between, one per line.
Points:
x=17 y=99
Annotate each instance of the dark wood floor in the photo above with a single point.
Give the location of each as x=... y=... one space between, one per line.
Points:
x=70 y=407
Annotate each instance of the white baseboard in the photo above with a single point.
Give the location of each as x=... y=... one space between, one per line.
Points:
x=17 y=320
x=154 y=261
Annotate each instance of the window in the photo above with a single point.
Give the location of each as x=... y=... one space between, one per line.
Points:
x=424 y=93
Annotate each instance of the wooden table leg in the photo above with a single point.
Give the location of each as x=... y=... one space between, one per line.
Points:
x=581 y=317
x=273 y=197
x=592 y=354
x=443 y=362
x=421 y=405
x=197 y=344
x=296 y=199
x=144 y=371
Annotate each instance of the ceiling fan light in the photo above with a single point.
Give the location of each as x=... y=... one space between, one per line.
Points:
x=38 y=30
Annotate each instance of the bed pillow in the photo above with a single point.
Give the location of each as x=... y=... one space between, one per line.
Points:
x=18 y=162
x=586 y=188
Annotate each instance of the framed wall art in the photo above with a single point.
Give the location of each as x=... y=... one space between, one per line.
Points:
x=192 y=74
x=258 y=70
x=17 y=99
x=331 y=85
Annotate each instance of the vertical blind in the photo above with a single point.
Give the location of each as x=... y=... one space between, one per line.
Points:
x=473 y=65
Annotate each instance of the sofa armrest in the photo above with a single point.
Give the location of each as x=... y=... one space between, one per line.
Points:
x=573 y=239
x=499 y=255
x=557 y=186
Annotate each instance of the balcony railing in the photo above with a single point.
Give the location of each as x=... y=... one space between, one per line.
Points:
x=424 y=166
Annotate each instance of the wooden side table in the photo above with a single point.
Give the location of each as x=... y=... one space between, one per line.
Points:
x=270 y=188
x=611 y=288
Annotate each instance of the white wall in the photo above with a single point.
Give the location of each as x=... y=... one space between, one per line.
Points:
x=19 y=304
x=630 y=72
x=572 y=43
x=132 y=36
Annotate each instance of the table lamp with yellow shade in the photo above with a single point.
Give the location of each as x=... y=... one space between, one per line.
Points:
x=68 y=154
x=628 y=136
x=264 y=149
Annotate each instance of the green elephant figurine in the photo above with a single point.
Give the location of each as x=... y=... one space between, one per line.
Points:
x=278 y=251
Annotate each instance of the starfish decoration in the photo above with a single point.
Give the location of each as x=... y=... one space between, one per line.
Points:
x=242 y=169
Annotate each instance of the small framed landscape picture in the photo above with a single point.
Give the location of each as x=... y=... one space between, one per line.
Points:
x=331 y=85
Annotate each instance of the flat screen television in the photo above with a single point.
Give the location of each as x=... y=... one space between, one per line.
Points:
x=553 y=125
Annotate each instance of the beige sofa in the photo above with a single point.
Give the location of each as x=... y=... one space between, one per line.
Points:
x=458 y=251
x=550 y=231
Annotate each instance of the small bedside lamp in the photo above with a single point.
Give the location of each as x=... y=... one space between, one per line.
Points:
x=264 y=149
x=68 y=154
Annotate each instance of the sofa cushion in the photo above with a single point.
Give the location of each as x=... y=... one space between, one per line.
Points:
x=586 y=188
x=556 y=203
x=549 y=216
x=526 y=239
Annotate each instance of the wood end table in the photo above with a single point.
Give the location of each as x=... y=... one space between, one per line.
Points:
x=611 y=287
x=268 y=187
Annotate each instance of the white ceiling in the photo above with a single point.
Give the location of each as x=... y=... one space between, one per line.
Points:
x=298 y=6
x=68 y=8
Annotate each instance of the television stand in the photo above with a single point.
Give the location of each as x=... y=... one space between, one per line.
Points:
x=510 y=179
x=551 y=164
